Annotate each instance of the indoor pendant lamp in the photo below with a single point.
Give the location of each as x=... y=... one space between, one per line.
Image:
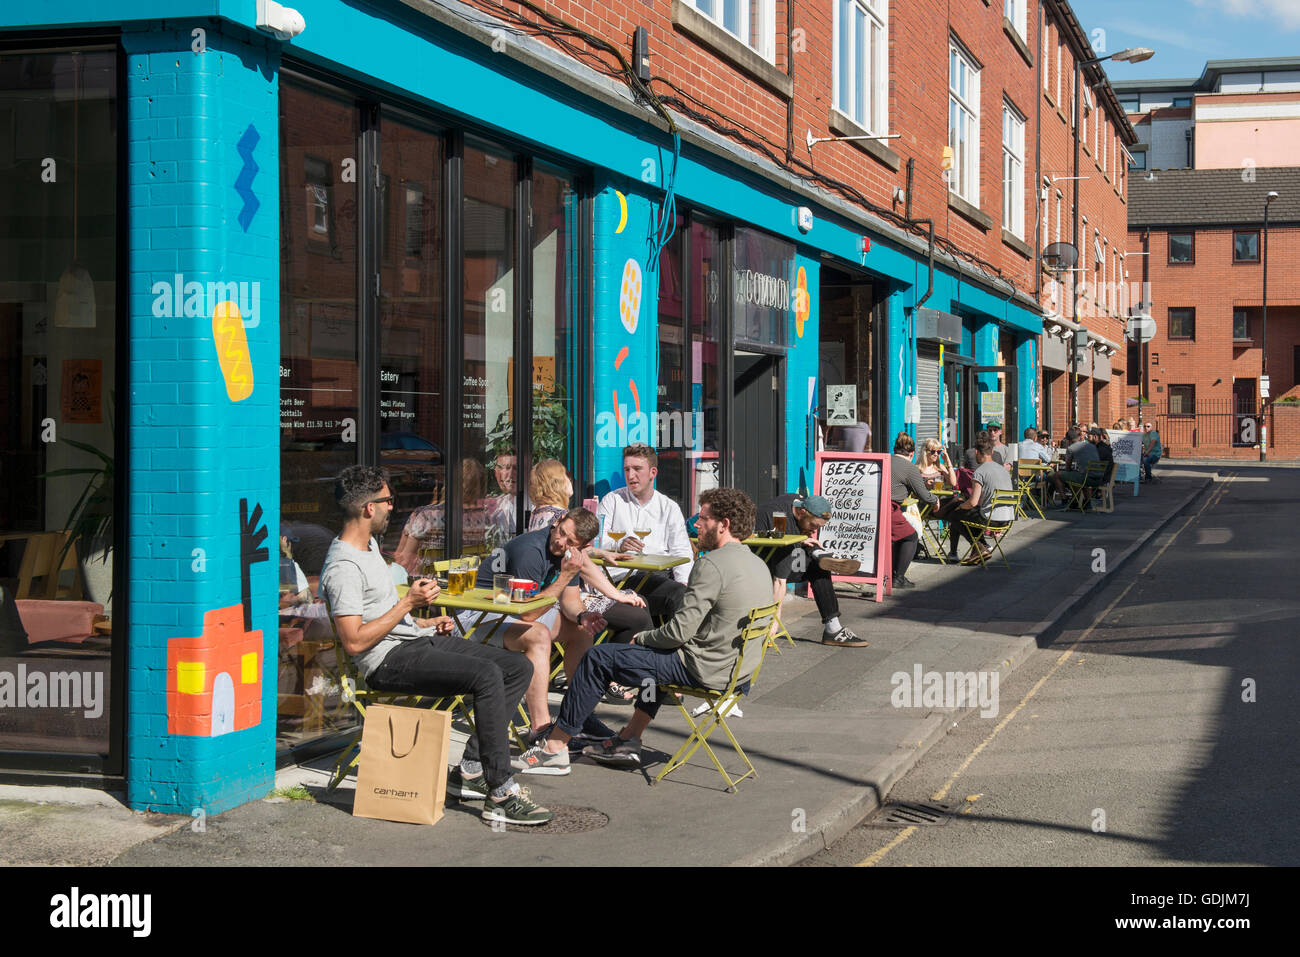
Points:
x=74 y=303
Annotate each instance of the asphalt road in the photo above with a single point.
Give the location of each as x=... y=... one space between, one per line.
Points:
x=1157 y=727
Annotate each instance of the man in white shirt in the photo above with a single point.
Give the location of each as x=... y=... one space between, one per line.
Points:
x=1031 y=449
x=651 y=522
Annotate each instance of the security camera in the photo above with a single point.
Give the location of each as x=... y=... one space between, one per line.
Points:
x=284 y=22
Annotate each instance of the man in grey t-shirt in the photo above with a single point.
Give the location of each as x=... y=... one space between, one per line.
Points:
x=989 y=477
x=1078 y=455
x=396 y=652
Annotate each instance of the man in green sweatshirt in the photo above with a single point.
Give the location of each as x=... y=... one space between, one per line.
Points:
x=697 y=646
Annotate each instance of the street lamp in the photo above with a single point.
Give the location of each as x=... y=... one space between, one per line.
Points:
x=1127 y=55
x=1263 y=337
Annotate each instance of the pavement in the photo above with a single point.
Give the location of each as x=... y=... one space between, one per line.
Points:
x=821 y=727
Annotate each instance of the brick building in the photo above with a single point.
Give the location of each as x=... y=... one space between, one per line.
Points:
x=1211 y=149
x=456 y=239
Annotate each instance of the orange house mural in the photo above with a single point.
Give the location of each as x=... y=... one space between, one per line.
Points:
x=214 y=680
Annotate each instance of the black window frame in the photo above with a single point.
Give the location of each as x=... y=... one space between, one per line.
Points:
x=1191 y=260
x=1245 y=232
x=1244 y=313
x=1169 y=333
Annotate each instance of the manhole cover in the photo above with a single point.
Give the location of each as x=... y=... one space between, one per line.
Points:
x=911 y=814
x=568 y=820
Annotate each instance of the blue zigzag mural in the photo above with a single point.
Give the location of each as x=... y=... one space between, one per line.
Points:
x=244 y=182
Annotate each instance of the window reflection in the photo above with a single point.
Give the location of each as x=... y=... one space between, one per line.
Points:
x=58 y=325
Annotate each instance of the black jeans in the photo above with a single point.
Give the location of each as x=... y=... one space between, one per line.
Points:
x=663 y=596
x=633 y=665
x=437 y=665
x=783 y=565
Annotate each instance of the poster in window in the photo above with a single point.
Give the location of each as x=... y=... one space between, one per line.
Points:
x=83 y=380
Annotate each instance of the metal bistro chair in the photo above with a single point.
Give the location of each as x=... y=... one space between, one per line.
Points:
x=932 y=544
x=1080 y=491
x=1028 y=477
x=356 y=692
x=1001 y=497
x=751 y=641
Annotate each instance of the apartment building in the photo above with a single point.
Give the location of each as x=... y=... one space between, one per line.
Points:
x=245 y=250
x=1211 y=152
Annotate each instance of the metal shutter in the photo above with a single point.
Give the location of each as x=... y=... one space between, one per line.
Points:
x=927 y=389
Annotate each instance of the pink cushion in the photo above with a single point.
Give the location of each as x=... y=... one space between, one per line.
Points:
x=58 y=620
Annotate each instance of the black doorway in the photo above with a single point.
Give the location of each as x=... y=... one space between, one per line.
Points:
x=759 y=440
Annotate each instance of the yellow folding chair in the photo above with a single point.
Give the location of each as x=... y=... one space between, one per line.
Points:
x=751 y=641
x=1027 y=478
x=1092 y=479
x=359 y=696
x=1001 y=498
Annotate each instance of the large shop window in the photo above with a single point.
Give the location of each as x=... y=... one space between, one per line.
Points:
x=58 y=350
x=435 y=372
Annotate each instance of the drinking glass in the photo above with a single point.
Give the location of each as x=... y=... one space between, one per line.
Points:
x=778 y=523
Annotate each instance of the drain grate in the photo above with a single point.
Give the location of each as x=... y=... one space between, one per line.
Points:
x=911 y=814
x=568 y=819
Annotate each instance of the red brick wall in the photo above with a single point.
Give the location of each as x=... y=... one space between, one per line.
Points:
x=1214 y=285
x=918 y=102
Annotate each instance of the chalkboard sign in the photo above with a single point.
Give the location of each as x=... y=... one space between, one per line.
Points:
x=857 y=486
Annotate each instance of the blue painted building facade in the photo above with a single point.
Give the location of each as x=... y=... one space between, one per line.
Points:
x=204 y=403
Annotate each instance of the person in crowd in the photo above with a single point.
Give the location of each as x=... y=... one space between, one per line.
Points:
x=1101 y=439
x=989 y=477
x=999 y=447
x=809 y=562
x=551 y=490
x=935 y=464
x=394 y=651
x=1132 y=424
x=426 y=527
x=553 y=557
x=1151 y=450
x=502 y=508
x=650 y=522
x=697 y=646
x=1079 y=454
x=1031 y=449
x=906 y=480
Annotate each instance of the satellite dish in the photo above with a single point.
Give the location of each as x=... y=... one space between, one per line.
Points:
x=1058 y=257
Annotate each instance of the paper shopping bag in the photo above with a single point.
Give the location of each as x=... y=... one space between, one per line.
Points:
x=403 y=773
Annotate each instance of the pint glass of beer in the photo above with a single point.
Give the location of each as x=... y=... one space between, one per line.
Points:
x=778 y=522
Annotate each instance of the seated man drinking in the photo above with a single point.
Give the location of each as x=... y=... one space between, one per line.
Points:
x=989 y=477
x=396 y=652
x=695 y=647
x=808 y=561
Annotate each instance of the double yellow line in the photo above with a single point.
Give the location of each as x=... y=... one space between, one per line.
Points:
x=1212 y=500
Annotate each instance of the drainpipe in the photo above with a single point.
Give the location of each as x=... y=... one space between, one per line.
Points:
x=1076 y=110
x=789 y=70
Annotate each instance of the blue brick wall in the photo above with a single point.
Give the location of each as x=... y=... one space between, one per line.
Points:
x=194 y=450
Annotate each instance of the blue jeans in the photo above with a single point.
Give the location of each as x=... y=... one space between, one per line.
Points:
x=1147 y=462
x=634 y=665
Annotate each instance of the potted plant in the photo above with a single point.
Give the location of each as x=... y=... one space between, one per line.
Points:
x=90 y=523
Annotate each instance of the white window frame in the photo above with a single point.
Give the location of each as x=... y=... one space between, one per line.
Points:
x=1046 y=203
x=1015 y=12
x=875 y=14
x=964 y=177
x=1013 y=170
x=1059 y=216
x=753 y=17
x=1046 y=60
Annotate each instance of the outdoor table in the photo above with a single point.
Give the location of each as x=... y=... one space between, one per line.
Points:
x=765 y=546
x=643 y=563
x=1026 y=476
x=480 y=600
x=933 y=545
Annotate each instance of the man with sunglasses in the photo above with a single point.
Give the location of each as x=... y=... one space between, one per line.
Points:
x=395 y=651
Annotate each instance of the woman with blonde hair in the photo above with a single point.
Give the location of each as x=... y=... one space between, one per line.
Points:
x=934 y=463
x=550 y=489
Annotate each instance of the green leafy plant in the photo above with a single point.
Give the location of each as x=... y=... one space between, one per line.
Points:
x=90 y=521
x=550 y=427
